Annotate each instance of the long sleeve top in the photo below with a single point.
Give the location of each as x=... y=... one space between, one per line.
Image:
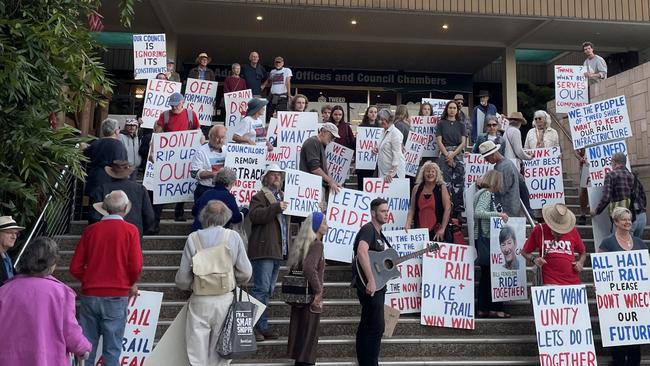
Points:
x=391 y=157
x=508 y=197
x=483 y=210
x=313 y=267
x=550 y=138
x=514 y=148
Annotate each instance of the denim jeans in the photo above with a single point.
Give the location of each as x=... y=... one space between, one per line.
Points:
x=265 y=274
x=106 y=317
x=639 y=224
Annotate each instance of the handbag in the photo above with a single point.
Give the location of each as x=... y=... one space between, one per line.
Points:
x=538 y=280
x=296 y=289
x=236 y=339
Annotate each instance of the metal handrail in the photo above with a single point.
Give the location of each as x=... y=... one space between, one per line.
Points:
x=560 y=126
x=529 y=218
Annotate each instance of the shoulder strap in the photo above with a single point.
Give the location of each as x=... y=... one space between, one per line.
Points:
x=190 y=119
x=541 y=247
x=197 y=241
x=165 y=120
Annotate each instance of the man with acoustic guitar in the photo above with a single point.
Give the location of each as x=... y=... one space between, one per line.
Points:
x=371 y=298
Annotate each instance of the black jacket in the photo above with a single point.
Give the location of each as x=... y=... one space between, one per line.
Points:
x=141 y=214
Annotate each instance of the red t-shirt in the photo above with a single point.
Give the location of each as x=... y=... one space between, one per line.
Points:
x=178 y=121
x=559 y=255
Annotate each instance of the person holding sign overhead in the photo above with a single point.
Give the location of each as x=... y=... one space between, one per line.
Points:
x=390 y=161
x=451 y=139
x=430 y=203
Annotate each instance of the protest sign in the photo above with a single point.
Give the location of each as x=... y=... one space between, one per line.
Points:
x=507 y=265
x=236 y=105
x=156 y=100
x=140 y=330
x=601 y=224
x=599 y=160
x=367 y=139
x=149 y=55
x=448 y=287
x=404 y=293
x=397 y=193
x=249 y=162
x=571 y=88
x=426 y=126
x=347 y=211
x=600 y=122
x=272 y=131
x=564 y=334
x=475 y=167
x=543 y=175
x=303 y=192
x=622 y=282
x=415 y=145
x=149 y=179
x=339 y=159
x=200 y=97
x=173 y=152
x=293 y=129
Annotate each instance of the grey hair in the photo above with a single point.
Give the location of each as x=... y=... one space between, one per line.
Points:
x=385 y=114
x=39 y=257
x=108 y=127
x=214 y=129
x=235 y=64
x=619 y=212
x=619 y=158
x=225 y=176
x=545 y=115
x=116 y=202
x=300 y=246
x=215 y=213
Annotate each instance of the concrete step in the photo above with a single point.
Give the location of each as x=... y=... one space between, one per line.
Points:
x=450 y=360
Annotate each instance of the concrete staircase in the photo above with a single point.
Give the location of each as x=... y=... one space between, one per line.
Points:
x=493 y=342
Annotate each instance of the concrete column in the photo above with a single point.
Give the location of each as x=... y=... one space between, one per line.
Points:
x=509 y=81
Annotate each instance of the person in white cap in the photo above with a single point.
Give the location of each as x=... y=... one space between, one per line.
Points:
x=131 y=140
x=508 y=196
x=312 y=155
x=9 y=230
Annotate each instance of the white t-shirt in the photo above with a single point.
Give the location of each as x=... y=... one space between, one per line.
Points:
x=252 y=129
x=278 y=80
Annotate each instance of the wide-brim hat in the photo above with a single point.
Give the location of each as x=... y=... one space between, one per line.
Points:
x=119 y=169
x=517 y=116
x=488 y=148
x=559 y=218
x=99 y=206
x=271 y=168
x=255 y=104
x=459 y=97
x=7 y=222
x=203 y=54
x=483 y=93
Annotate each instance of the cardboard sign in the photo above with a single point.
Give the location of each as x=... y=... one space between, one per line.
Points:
x=156 y=100
x=397 y=194
x=600 y=122
x=173 y=152
x=199 y=97
x=507 y=265
x=149 y=55
x=571 y=88
x=347 y=211
x=293 y=129
x=236 y=104
x=622 y=282
x=475 y=167
x=599 y=160
x=303 y=192
x=564 y=334
x=339 y=159
x=415 y=145
x=448 y=287
x=272 y=131
x=543 y=175
x=368 y=138
x=140 y=330
x=249 y=162
x=426 y=126
x=405 y=292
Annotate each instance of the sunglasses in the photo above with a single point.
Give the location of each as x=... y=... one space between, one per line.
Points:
x=539 y=117
x=491 y=124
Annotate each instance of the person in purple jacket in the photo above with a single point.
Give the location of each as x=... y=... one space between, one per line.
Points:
x=38 y=311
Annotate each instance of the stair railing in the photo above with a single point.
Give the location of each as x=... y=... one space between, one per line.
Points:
x=557 y=122
x=529 y=218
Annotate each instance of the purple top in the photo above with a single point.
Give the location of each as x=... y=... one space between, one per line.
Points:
x=38 y=323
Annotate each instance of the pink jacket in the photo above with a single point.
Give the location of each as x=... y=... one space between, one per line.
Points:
x=38 y=323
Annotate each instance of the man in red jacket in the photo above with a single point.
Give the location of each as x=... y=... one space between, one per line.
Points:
x=108 y=262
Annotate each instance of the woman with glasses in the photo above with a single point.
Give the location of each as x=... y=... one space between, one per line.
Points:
x=542 y=135
x=493 y=134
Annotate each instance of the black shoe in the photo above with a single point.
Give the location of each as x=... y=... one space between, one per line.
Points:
x=582 y=220
x=180 y=219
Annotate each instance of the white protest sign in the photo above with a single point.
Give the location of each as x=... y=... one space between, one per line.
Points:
x=367 y=139
x=415 y=145
x=347 y=211
x=571 y=88
x=600 y=122
x=156 y=100
x=236 y=105
x=293 y=129
x=564 y=334
x=507 y=265
x=475 y=167
x=599 y=160
x=543 y=176
x=448 y=287
x=149 y=55
x=199 y=97
x=303 y=192
x=622 y=282
x=601 y=224
x=339 y=159
x=426 y=126
x=173 y=152
x=149 y=179
x=140 y=331
x=249 y=161
x=405 y=292
x=397 y=193
x=272 y=131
